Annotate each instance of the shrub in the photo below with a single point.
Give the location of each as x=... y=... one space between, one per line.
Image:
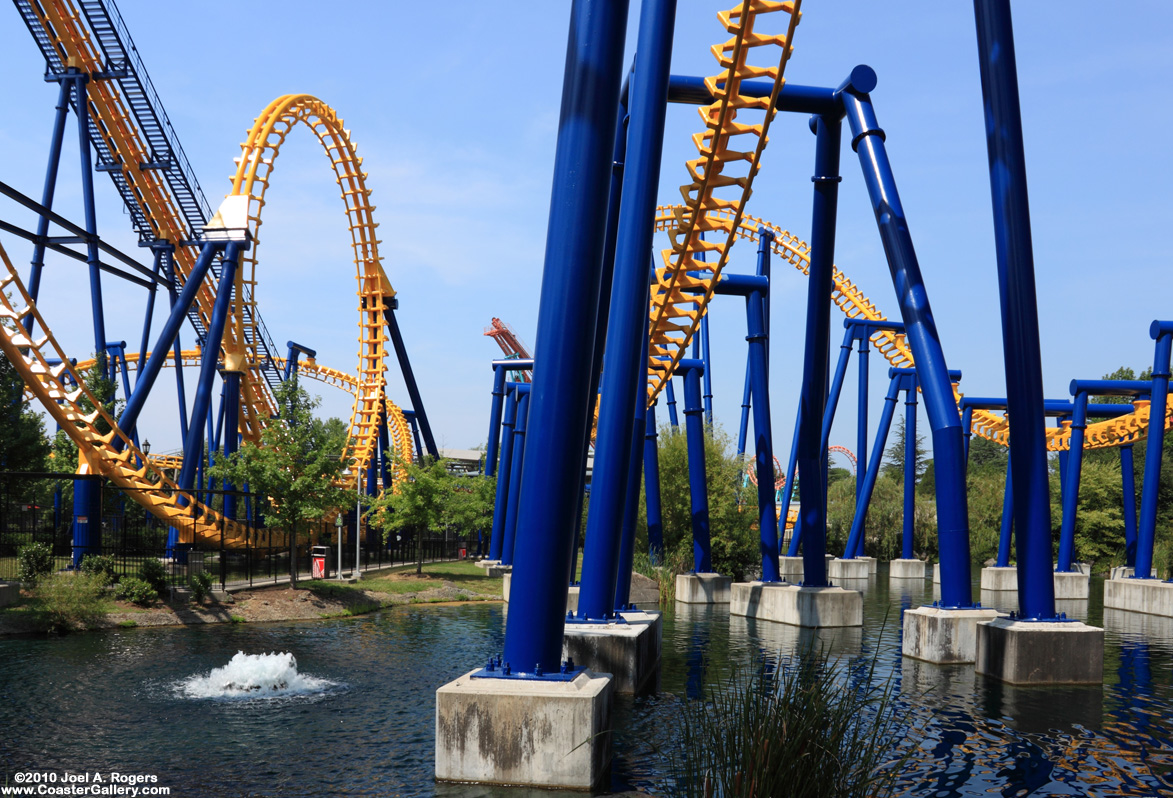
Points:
x=137 y=591
x=802 y=726
x=201 y=585
x=154 y=574
x=34 y=561
x=71 y=601
x=100 y=565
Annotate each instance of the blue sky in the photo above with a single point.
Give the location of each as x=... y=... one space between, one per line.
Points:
x=455 y=114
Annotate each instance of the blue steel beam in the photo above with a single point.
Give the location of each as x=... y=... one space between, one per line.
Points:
x=1007 y=531
x=560 y=396
x=491 y=449
x=413 y=391
x=813 y=397
x=509 y=534
x=757 y=338
x=909 y=474
x=631 y=498
x=1020 y=323
x=1128 y=478
x=1070 y=496
x=55 y=140
x=622 y=402
x=655 y=514
x=1162 y=333
x=698 y=490
x=921 y=335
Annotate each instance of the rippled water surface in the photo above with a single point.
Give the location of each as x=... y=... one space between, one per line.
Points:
x=356 y=713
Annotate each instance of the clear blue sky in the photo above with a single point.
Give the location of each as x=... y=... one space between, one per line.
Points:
x=455 y=113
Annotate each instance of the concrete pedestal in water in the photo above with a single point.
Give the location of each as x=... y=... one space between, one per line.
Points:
x=529 y=733
x=858 y=568
x=790 y=568
x=814 y=607
x=1001 y=579
x=1032 y=652
x=943 y=636
x=1121 y=572
x=703 y=588
x=493 y=571
x=628 y=650
x=936 y=573
x=1150 y=596
x=1071 y=585
x=906 y=569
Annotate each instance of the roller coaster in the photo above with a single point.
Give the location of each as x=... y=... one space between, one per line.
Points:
x=207 y=263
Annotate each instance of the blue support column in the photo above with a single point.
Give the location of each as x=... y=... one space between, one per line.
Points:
x=967 y=430
x=384 y=449
x=813 y=397
x=1007 y=531
x=702 y=560
x=413 y=391
x=231 y=433
x=652 y=490
x=504 y=476
x=87 y=517
x=707 y=377
x=177 y=346
x=855 y=537
x=670 y=393
x=149 y=373
x=491 y=450
x=1128 y=478
x=631 y=498
x=762 y=431
x=148 y=315
x=1162 y=333
x=560 y=400
x=861 y=430
x=909 y=473
x=622 y=403
x=193 y=445
x=1064 y=458
x=55 y=140
x=788 y=491
x=509 y=538
x=1071 y=484
x=921 y=334
x=1020 y=323
x=836 y=390
x=743 y=427
x=87 y=192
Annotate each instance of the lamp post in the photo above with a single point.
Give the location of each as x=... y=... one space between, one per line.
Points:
x=338 y=526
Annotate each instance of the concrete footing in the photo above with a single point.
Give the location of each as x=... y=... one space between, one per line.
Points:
x=629 y=651
x=873 y=565
x=1071 y=585
x=1121 y=572
x=9 y=593
x=798 y=606
x=1000 y=579
x=528 y=733
x=906 y=569
x=1031 y=652
x=1150 y=596
x=497 y=569
x=936 y=573
x=703 y=588
x=790 y=569
x=858 y=568
x=487 y=563
x=943 y=636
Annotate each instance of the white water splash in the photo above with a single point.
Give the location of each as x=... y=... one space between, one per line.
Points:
x=254 y=676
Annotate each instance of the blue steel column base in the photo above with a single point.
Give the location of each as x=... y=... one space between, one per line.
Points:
x=495 y=669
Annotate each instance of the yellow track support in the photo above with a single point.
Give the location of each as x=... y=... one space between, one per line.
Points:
x=729 y=152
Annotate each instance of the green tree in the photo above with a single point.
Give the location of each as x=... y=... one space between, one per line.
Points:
x=421 y=502
x=732 y=529
x=23 y=445
x=894 y=454
x=292 y=467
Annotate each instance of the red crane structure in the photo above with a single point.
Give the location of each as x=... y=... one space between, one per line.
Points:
x=510 y=344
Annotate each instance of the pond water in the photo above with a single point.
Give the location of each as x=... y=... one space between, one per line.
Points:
x=351 y=712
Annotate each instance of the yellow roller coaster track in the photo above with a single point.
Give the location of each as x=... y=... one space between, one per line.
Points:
x=69 y=36
x=397 y=424
x=729 y=150
x=848 y=297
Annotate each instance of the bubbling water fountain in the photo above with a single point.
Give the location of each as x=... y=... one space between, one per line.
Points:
x=254 y=676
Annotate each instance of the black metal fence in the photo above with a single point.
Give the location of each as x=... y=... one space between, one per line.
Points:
x=39 y=508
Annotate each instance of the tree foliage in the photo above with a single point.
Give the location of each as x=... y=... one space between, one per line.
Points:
x=292 y=468
x=732 y=526
x=23 y=446
x=894 y=454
